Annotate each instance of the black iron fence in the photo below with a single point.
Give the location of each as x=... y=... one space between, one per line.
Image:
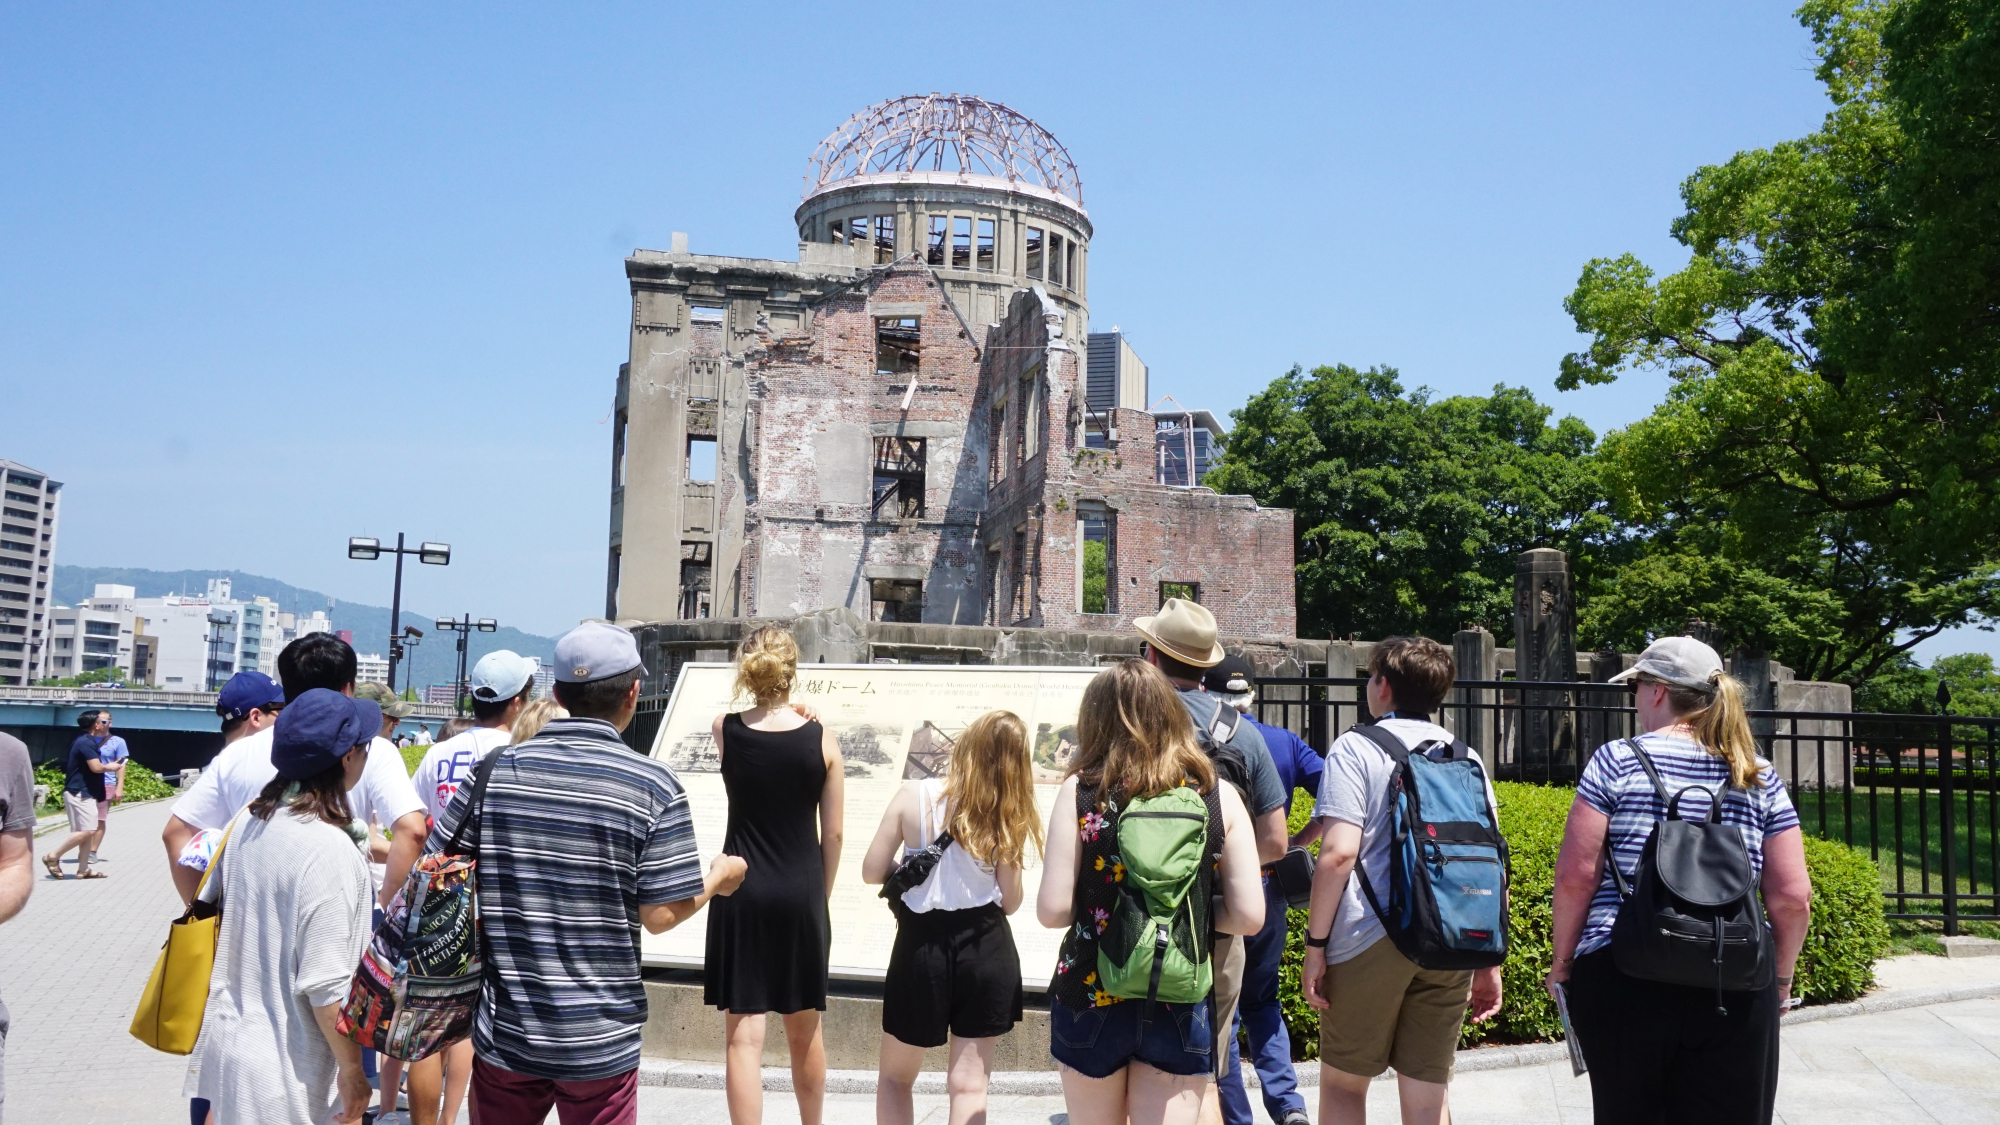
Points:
x=1920 y=793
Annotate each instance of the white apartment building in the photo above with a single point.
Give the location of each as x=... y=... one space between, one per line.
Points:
x=371 y=668
x=30 y=509
x=177 y=642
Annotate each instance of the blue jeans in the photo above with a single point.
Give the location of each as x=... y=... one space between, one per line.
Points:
x=1099 y=1042
x=1258 y=1012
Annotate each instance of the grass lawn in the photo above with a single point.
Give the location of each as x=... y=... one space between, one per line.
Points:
x=1902 y=831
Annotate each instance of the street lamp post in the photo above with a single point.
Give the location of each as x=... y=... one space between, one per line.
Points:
x=435 y=554
x=464 y=627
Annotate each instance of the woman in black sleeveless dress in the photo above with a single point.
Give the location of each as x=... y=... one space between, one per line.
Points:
x=767 y=943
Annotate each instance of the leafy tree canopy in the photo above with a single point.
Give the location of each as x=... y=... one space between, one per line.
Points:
x=1410 y=511
x=1905 y=686
x=1824 y=477
x=112 y=675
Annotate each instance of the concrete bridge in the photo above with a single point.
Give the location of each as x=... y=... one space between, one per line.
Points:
x=167 y=730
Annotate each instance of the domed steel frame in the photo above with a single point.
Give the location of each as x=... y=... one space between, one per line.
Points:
x=944 y=136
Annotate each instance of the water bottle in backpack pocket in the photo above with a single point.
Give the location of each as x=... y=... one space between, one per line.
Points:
x=1448 y=867
x=1155 y=945
x=1691 y=915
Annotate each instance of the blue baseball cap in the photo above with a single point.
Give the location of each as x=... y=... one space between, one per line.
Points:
x=245 y=692
x=596 y=650
x=315 y=730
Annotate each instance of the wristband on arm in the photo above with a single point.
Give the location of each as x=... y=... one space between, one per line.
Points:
x=1317 y=943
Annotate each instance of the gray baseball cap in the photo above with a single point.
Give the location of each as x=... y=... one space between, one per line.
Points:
x=596 y=650
x=1680 y=661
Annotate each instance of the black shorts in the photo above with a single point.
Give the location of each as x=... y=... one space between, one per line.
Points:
x=952 y=971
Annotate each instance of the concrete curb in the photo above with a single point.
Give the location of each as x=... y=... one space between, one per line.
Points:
x=1033 y=1083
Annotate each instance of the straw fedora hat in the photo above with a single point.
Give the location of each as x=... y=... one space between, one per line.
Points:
x=1183 y=630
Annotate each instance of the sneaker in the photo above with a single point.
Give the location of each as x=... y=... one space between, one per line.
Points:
x=1296 y=1117
x=391 y=1118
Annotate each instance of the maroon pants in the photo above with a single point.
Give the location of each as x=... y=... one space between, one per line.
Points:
x=502 y=1097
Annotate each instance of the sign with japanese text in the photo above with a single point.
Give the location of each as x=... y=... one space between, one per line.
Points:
x=894 y=722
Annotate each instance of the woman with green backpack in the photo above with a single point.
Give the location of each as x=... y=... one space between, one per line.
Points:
x=1143 y=844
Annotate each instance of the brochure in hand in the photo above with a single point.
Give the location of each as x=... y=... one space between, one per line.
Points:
x=1576 y=1063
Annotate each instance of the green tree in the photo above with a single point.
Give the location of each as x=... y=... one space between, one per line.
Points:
x=1094 y=593
x=1905 y=686
x=111 y=675
x=1824 y=478
x=1410 y=511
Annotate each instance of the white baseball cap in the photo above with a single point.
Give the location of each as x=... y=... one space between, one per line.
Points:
x=1680 y=661
x=501 y=674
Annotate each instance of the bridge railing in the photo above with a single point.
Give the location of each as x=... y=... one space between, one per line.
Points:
x=96 y=695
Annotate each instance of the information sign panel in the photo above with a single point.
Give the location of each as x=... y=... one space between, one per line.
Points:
x=895 y=722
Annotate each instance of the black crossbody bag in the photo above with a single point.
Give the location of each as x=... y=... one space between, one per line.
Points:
x=911 y=873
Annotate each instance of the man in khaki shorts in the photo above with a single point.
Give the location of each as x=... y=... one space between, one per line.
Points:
x=83 y=789
x=1377 y=1008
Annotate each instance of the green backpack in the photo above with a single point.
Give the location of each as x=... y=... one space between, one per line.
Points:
x=1155 y=945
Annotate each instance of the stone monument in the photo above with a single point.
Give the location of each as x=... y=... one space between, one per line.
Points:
x=1544 y=652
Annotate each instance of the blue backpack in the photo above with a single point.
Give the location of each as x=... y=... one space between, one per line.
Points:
x=1448 y=870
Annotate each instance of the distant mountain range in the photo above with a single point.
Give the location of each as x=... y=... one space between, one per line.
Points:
x=433 y=661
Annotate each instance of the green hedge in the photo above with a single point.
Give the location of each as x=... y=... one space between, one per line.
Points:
x=141 y=784
x=1838 y=962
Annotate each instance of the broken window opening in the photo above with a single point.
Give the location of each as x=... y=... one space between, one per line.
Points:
x=984 y=259
x=895 y=599
x=898 y=344
x=961 y=243
x=935 y=254
x=701 y=459
x=618 y=453
x=992 y=598
x=705 y=314
x=1185 y=591
x=1028 y=421
x=1055 y=258
x=885 y=239
x=1069 y=263
x=834 y=232
x=899 y=478
x=1034 y=255
x=996 y=442
x=857 y=229
x=1098 y=531
x=697 y=579
x=1018 y=579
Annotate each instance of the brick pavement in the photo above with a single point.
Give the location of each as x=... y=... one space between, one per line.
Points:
x=72 y=965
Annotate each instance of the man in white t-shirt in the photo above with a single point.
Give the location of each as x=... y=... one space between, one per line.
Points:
x=1377 y=1008
x=242 y=769
x=500 y=685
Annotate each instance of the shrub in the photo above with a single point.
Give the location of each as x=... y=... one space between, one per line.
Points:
x=1848 y=931
x=1847 y=934
x=51 y=776
x=142 y=784
x=413 y=756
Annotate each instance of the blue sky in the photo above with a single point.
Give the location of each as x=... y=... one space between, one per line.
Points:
x=271 y=276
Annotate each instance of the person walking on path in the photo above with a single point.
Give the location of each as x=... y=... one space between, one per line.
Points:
x=83 y=792
x=1181 y=642
x=581 y=841
x=114 y=754
x=17 y=847
x=1149 y=1062
x=1664 y=1052
x=293 y=888
x=1377 y=1008
x=1258 y=1012
x=767 y=944
x=500 y=685
x=954 y=971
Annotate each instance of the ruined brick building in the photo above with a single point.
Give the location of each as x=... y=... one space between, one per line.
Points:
x=897 y=422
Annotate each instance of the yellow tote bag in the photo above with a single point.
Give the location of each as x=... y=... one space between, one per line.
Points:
x=170 y=1010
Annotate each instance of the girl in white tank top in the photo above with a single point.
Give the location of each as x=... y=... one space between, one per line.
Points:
x=954 y=974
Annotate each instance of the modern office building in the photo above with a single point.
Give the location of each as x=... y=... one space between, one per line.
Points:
x=1188 y=441
x=1114 y=378
x=30 y=513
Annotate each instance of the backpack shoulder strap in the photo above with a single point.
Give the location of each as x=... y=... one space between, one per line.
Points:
x=1652 y=772
x=474 y=802
x=1390 y=744
x=1223 y=727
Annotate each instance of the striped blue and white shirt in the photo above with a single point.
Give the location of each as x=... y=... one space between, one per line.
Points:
x=1615 y=784
x=576 y=833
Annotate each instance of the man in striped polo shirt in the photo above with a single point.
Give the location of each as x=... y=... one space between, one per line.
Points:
x=580 y=841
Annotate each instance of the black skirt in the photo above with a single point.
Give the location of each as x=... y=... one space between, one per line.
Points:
x=953 y=971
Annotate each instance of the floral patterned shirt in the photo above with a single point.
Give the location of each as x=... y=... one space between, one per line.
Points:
x=1076 y=984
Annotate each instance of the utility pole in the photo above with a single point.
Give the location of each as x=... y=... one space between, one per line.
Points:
x=464 y=627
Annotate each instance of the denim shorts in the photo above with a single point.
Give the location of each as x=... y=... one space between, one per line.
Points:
x=1099 y=1042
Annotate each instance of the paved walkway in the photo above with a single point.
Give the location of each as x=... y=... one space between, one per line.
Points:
x=73 y=963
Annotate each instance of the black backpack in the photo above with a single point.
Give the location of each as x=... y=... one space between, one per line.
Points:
x=1692 y=915
x=1230 y=764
